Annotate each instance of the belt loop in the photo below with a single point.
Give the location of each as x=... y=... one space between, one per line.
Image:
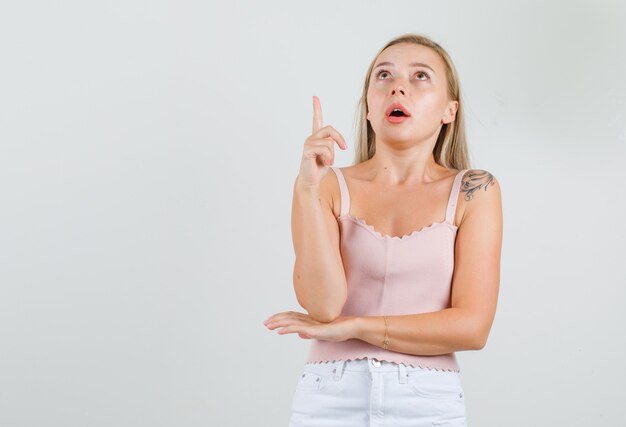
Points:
x=402 y=373
x=338 y=369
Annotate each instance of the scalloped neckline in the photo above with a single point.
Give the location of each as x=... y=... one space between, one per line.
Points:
x=380 y=235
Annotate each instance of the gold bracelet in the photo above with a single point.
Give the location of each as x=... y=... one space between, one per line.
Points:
x=386 y=340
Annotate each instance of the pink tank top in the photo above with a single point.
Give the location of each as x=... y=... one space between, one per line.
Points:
x=393 y=275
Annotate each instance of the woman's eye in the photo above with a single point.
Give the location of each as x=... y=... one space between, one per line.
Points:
x=419 y=73
x=380 y=72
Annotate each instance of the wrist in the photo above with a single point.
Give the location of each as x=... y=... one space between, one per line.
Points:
x=356 y=327
x=371 y=329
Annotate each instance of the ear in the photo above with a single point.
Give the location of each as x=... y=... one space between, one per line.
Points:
x=450 y=113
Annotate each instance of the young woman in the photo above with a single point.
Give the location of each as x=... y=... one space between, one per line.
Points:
x=397 y=256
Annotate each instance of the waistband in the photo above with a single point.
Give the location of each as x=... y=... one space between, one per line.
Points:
x=369 y=364
x=372 y=365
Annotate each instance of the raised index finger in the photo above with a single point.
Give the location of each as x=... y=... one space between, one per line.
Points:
x=317 y=114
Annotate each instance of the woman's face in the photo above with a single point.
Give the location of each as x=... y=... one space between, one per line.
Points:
x=421 y=89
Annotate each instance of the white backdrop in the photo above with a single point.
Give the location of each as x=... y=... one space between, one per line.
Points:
x=148 y=153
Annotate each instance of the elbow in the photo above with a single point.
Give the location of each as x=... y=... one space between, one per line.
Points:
x=479 y=341
x=325 y=315
x=320 y=309
x=475 y=331
x=479 y=344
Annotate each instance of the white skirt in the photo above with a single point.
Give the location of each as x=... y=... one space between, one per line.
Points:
x=372 y=393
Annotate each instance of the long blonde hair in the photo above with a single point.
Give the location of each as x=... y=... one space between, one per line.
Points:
x=450 y=150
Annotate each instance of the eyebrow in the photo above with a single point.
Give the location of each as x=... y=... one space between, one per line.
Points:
x=413 y=64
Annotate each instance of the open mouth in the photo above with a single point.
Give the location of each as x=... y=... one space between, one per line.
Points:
x=397 y=113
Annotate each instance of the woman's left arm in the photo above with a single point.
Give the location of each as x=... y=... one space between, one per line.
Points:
x=475 y=285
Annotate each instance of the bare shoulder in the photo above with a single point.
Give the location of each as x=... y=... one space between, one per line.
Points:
x=475 y=180
x=479 y=194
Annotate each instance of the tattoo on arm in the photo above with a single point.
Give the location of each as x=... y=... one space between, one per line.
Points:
x=475 y=179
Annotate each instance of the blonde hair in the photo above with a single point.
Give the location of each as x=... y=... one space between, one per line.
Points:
x=450 y=150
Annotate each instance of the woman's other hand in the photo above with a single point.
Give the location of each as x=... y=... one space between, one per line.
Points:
x=340 y=329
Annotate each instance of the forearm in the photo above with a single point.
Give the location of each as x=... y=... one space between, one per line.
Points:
x=318 y=276
x=424 y=334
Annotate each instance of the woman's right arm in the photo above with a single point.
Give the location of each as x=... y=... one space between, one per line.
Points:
x=318 y=276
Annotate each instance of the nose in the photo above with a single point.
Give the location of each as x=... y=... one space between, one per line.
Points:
x=398 y=90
